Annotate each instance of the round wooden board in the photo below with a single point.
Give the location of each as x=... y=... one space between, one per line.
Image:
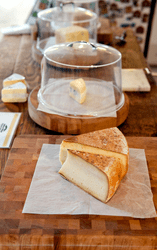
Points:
x=67 y=125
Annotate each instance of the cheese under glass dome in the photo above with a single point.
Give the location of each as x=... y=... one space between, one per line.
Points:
x=98 y=65
x=66 y=23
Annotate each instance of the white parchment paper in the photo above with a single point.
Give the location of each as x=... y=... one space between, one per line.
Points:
x=50 y=193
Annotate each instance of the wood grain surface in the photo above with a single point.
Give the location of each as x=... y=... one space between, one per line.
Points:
x=16 y=57
x=28 y=231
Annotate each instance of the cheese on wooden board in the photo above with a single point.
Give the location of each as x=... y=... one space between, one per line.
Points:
x=71 y=34
x=96 y=174
x=77 y=90
x=107 y=142
x=14 y=78
x=95 y=161
x=14 y=93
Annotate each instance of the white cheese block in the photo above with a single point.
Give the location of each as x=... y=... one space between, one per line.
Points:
x=71 y=34
x=14 y=78
x=107 y=142
x=98 y=175
x=77 y=90
x=14 y=93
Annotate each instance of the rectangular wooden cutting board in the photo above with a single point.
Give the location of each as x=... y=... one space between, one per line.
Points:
x=67 y=231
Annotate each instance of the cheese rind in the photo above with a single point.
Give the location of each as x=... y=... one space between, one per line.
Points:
x=71 y=34
x=14 y=93
x=12 y=79
x=107 y=142
x=77 y=90
x=98 y=175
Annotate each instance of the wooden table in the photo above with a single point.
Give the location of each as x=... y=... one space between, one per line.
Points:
x=30 y=232
x=16 y=57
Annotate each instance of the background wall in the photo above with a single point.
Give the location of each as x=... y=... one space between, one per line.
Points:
x=152 y=49
x=14 y=12
x=124 y=13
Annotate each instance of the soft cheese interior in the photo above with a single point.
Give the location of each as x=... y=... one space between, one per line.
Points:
x=85 y=175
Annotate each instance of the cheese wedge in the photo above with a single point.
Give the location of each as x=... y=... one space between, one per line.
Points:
x=96 y=174
x=14 y=78
x=14 y=93
x=71 y=34
x=77 y=90
x=107 y=142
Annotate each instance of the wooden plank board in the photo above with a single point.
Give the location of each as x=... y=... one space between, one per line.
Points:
x=67 y=231
x=16 y=56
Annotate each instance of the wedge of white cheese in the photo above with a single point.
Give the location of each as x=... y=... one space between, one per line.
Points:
x=12 y=79
x=96 y=174
x=95 y=161
x=78 y=90
x=14 y=93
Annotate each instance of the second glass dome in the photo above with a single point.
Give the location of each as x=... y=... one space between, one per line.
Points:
x=66 y=23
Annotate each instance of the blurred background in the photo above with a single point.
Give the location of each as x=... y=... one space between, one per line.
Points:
x=137 y=14
x=14 y=12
